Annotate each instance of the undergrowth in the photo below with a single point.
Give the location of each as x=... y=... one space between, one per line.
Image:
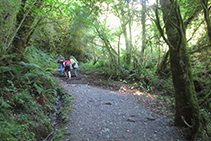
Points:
x=27 y=96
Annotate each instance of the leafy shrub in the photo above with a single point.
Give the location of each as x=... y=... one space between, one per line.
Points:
x=27 y=96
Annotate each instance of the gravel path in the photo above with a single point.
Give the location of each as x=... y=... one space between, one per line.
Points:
x=104 y=115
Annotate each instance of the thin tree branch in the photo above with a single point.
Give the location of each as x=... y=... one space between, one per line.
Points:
x=195 y=31
x=157 y=22
x=199 y=49
x=195 y=13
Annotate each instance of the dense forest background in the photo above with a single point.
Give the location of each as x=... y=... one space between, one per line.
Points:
x=160 y=45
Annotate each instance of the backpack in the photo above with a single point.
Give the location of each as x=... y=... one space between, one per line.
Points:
x=75 y=65
x=68 y=64
x=61 y=60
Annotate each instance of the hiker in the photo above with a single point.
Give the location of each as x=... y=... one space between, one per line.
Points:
x=67 y=66
x=60 y=61
x=74 y=64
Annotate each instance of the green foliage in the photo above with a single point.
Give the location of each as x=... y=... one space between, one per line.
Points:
x=70 y=28
x=46 y=61
x=202 y=80
x=167 y=99
x=61 y=29
x=27 y=96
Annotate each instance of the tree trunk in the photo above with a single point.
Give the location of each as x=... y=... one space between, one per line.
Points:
x=118 y=50
x=207 y=17
x=130 y=48
x=20 y=40
x=127 y=43
x=124 y=21
x=143 y=22
x=187 y=108
x=162 y=70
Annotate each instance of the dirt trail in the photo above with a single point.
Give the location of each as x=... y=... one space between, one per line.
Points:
x=104 y=115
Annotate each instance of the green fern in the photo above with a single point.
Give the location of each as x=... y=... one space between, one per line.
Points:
x=25 y=85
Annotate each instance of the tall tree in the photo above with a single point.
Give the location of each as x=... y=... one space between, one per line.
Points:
x=187 y=108
x=143 y=22
x=24 y=20
x=124 y=18
x=130 y=21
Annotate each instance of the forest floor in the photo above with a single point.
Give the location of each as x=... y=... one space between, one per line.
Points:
x=105 y=110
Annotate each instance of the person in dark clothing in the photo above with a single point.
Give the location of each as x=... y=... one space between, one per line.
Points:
x=67 y=65
x=60 y=60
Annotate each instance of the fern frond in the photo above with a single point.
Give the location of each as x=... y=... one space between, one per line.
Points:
x=29 y=65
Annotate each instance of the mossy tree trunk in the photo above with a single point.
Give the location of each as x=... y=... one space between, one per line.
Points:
x=25 y=19
x=187 y=108
x=207 y=17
